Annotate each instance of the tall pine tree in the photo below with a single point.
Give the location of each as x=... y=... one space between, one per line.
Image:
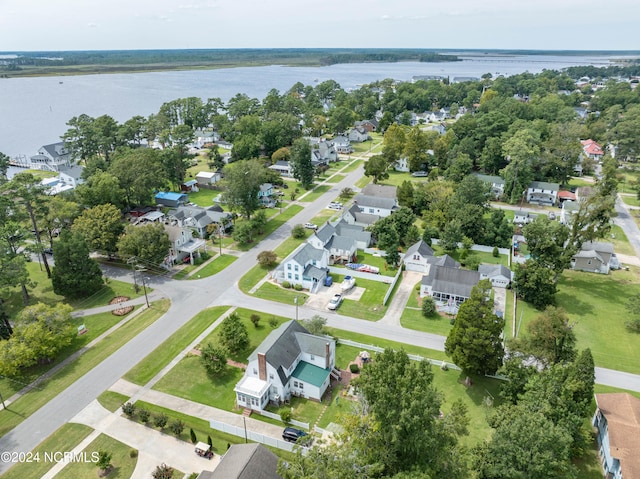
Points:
x=75 y=274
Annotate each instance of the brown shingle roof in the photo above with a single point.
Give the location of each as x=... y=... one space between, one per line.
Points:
x=622 y=411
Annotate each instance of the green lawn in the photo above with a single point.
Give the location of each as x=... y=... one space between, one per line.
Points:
x=35 y=398
x=42 y=292
x=337 y=178
x=631 y=200
x=362 y=182
x=317 y=192
x=252 y=277
x=146 y=369
x=436 y=324
x=481 y=256
x=370 y=306
x=204 y=197
x=279 y=294
x=353 y=166
x=215 y=266
x=596 y=305
x=111 y=400
x=122 y=462
x=64 y=439
x=620 y=241
x=272 y=225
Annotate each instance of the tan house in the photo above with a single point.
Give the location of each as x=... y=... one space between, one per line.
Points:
x=183 y=245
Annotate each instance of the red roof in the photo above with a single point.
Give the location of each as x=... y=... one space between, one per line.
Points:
x=566 y=195
x=590 y=147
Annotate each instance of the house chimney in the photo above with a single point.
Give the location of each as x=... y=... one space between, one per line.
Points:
x=262 y=367
x=327 y=356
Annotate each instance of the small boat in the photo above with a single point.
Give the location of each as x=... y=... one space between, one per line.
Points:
x=348 y=283
x=60 y=82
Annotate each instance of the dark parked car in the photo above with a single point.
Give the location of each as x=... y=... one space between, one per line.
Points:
x=291 y=434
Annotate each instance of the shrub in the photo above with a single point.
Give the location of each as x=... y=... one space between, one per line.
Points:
x=285 y=415
x=255 y=319
x=286 y=284
x=273 y=322
x=162 y=472
x=298 y=232
x=267 y=258
x=160 y=420
x=129 y=409
x=177 y=427
x=133 y=453
x=210 y=442
x=354 y=368
x=633 y=325
x=193 y=436
x=297 y=287
x=213 y=358
x=495 y=252
x=428 y=306
x=144 y=415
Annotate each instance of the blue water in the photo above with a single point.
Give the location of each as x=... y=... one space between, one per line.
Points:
x=34 y=111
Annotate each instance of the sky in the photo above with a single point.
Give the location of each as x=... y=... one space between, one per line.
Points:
x=50 y=25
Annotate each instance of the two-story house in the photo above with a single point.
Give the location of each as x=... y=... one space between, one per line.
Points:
x=265 y=195
x=543 y=193
x=183 y=245
x=289 y=362
x=617 y=420
x=306 y=266
x=592 y=149
x=496 y=182
x=52 y=157
x=378 y=200
x=340 y=249
x=199 y=219
x=342 y=145
x=416 y=258
x=358 y=134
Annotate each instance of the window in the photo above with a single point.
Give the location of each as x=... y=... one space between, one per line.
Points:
x=296 y=267
x=255 y=371
x=289 y=266
x=313 y=358
x=271 y=376
x=295 y=384
x=416 y=257
x=288 y=275
x=301 y=385
x=297 y=277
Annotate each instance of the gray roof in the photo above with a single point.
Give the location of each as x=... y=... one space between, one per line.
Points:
x=306 y=254
x=342 y=243
x=325 y=232
x=445 y=260
x=599 y=246
x=375 y=201
x=543 y=185
x=281 y=347
x=74 y=171
x=314 y=272
x=382 y=191
x=491 y=179
x=453 y=281
x=316 y=345
x=264 y=187
x=491 y=270
x=53 y=149
x=353 y=231
x=588 y=254
x=246 y=461
x=421 y=247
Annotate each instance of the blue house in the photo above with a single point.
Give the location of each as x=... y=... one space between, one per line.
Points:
x=266 y=195
x=173 y=200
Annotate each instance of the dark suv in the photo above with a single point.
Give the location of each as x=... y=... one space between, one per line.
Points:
x=292 y=434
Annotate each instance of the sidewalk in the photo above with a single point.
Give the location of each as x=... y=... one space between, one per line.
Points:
x=399 y=301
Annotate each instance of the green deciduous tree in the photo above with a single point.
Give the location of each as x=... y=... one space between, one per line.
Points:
x=376 y=167
x=233 y=334
x=101 y=187
x=148 y=243
x=140 y=173
x=535 y=284
x=315 y=325
x=267 y=258
x=242 y=180
x=550 y=337
x=546 y=241
x=104 y=461
x=474 y=342
x=100 y=226
x=75 y=274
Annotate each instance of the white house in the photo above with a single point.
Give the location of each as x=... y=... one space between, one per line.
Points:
x=522 y=217
x=449 y=285
x=402 y=165
x=358 y=134
x=282 y=167
x=306 y=266
x=499 y=275
x=342 y=145
x=207 y=178
x=289 y=362
x=71 y=175
x=378 y=200
x=543 y=193
x=198 y=218
x=569 y=208
x=496 y=182
x=52 y=157
x=355 y=216
x=340 y=249
x=416 y=257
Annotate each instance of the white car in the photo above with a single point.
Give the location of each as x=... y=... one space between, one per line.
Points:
x=335 y=206
x=310 y=226
x=334 y=302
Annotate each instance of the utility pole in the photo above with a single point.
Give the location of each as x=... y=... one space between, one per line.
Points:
x=132 y=262
x=295 y=300
x=144 y=285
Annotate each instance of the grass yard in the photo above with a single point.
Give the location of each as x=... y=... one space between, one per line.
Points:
x=362 y=182
x=279 y=294
x=631 y=200
x=370 y=306
x=596 y=304
x=481 y=256
x=123 y=464
x=204 y=197
x=620 y=241
x=272 y=225
x=337 y=178
x=42 y=292
x=352 y=166
x=37 y=397
x=252 y=277
x=111 y=400
x=317 y=192
x=146 y=369
x=436 y=324
x=214 y=266
x=64 y=439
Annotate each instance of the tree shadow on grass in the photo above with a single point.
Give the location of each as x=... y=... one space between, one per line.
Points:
x=481 y=390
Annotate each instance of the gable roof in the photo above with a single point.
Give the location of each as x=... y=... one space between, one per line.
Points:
x=341 y=243
x=493 y=179
x=382 y=191
x=492 y=270
x=246 y=461
x=353 y=231
x=453 y=281
x=174 y=232
x=420 y=247
x=543 y=185
x=281 y=347
x=622 y=412
x=375 y=201
x=306 y=254
x=598 y=246
x=444 y=260
x=325 y=232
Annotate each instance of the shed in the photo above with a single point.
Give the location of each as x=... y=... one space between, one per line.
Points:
x=207 y=178
x=169 y=198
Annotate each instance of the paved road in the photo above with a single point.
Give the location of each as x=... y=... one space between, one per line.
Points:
x=190 y=297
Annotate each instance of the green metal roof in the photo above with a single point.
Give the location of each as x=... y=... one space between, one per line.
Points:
x=310 y=374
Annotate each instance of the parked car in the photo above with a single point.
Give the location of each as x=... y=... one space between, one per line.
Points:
x=335 y=206
x=419 y=173
x=291 y=434
x=334 y=302
x=48 y=251
x=310 y=226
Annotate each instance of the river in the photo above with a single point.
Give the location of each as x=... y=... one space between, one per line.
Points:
x=34 y=111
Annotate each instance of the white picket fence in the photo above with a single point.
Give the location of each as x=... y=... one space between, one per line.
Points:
x=252 y=436
x=304 y=425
